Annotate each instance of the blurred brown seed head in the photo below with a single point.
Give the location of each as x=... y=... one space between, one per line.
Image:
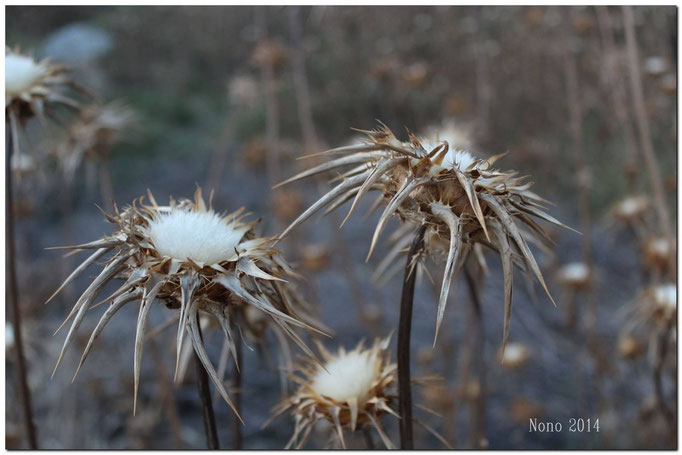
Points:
x=268 y=53
x=629 y=347
x=314 y=257
x=254 y=153
x=287 y=203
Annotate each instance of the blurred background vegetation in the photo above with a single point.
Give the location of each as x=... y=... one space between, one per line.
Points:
x=218 y=89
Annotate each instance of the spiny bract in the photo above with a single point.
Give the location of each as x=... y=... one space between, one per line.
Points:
x=352 y=389
x=192 y=259
x=458 y=197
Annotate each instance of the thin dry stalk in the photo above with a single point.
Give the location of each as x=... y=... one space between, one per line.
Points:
x=616 y=89
x=301 y=80
x=13 y=297
x=106 y=187
x=271 y=107
x=311 y=144
x=404 y=333
x=661 y=354
x=167 y=394
x=644 y=133
x=205 y=396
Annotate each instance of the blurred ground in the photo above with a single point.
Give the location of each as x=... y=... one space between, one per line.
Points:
x=498 y=73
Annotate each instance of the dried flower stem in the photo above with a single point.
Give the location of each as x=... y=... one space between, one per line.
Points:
x=643 y=127
x=404 y=331
x=478 y=437
x=236 y=389
x=13 y=297
x=165 y=385
x=205 y=396
x=369 y=442
x=661 y=353
x=617 y=90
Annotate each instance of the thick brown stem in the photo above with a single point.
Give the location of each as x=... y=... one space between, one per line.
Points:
x=206 y=406
x=479 y=439
x=236 y=388
x=668 y=414
x=404 y=332
x=13 y=297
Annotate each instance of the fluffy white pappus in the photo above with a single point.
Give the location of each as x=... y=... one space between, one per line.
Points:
x=21 y=73
x=666 y=296
x=574 y=272
x=201 y=236
x=349 y=375
x=460 y=158
x=515 y=354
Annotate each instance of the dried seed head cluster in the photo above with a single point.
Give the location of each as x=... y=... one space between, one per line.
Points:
x=462 y=200
x=194 y=260
x=92 y=134
x=352 y=389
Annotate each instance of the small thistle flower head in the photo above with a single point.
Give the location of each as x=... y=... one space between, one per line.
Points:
x=461 y=199
x=31 y=85
x=664 y=300
x=657 y=253
x=351 y=389
x=92 y=135
x=574 y=275
x=631 y=208
x=193 y=260
x=515 y=355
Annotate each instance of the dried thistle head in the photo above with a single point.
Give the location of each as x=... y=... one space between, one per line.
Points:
x=515 y=356
x=92 y=135
x=651 y=316
x=32 y=87
x=631 y=209
x=195 y=261
x=657 y=253
x=575 y=275
x=351 y=390
x=462 y=200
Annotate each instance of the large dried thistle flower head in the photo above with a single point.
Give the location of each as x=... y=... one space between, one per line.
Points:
x=462 y=200
x=92 y=134
x=350 y=390
x=195 y=261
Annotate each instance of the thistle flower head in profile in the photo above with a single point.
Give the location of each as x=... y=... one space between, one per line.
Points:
x=461 y=199
x=32 y=85
x=32 y=88
x=195 y=261
x=92 y=135
x=351 y=390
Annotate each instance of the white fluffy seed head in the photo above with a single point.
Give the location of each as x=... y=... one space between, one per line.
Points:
x=460 y=158
x=21 y=73
x=201 y=236
x=574 y=273
x=349 y=375
x=665 y=296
